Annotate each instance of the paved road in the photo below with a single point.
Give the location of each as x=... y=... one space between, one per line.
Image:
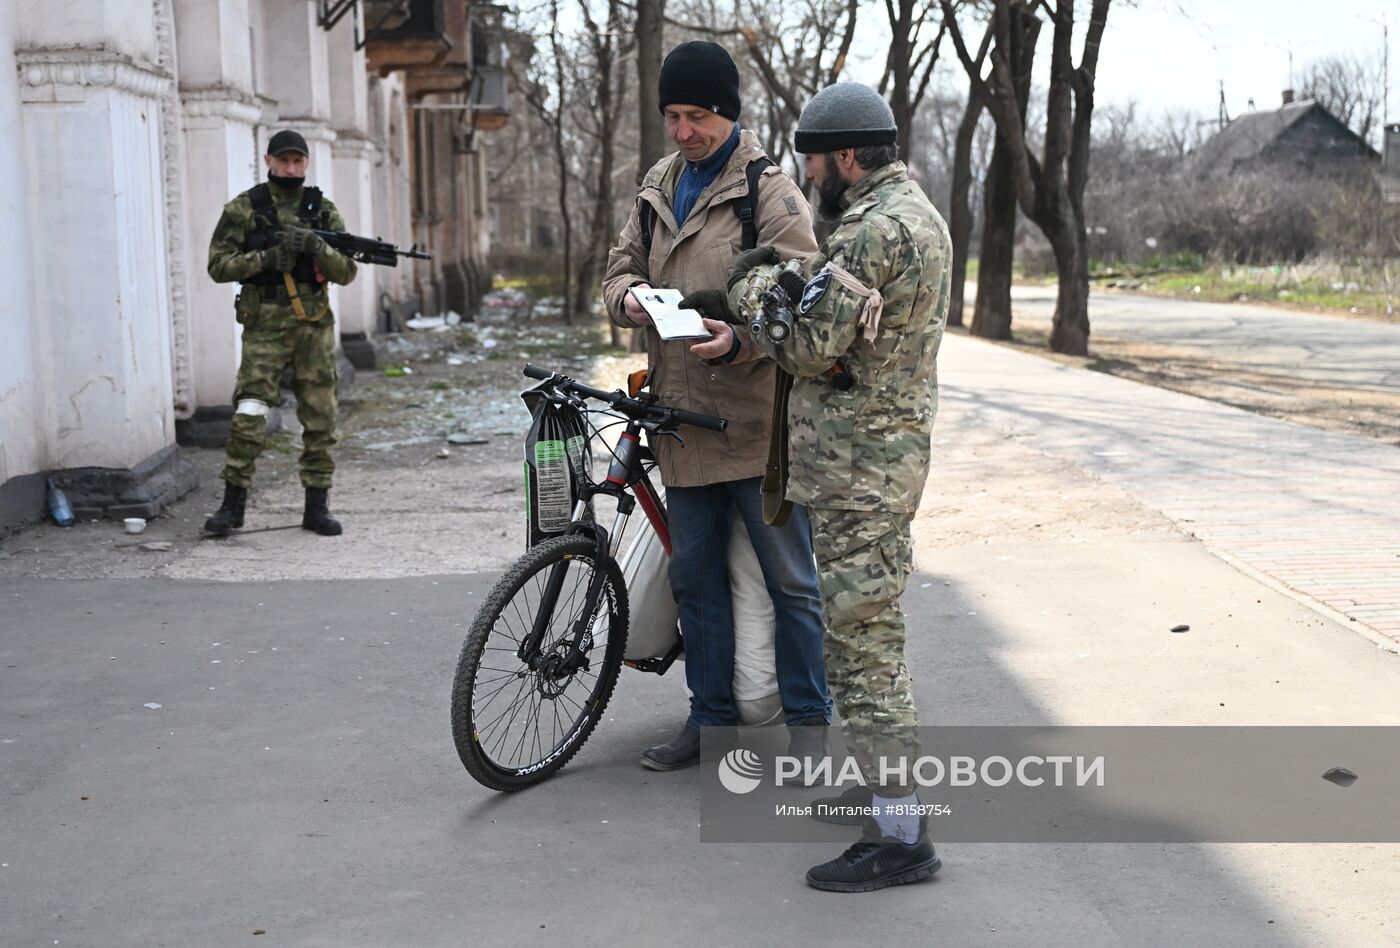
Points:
x=298 y=776
x=1315 y=510
x=1342 y=353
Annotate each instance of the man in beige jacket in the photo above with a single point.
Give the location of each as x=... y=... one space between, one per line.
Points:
x=694 y=213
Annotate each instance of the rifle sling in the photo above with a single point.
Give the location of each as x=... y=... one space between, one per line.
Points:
x=297 y=306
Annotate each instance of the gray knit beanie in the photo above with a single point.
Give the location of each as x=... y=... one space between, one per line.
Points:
x=846 y=115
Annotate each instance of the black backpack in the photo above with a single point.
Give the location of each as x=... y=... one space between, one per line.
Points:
x=747 y=210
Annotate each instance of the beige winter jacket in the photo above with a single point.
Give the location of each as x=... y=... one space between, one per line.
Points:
x=696 y=256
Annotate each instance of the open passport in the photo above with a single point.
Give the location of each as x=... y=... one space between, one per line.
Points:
x=670 y=322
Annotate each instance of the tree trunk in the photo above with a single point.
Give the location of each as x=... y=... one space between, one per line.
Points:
x=901 y=51
x=959 y=214
x=1069 y=333
x=991 y=317
x=562 y=162
x=651 y=146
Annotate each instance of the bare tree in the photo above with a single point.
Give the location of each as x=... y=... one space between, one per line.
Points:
x=790 y=52
x=959 y=214
x=1179 y=133
x=991 y=318
x=650 y=38
x=908 y=65
x=600 y=73
x=547 y=94
x=1350 y=86
x=1049 y=189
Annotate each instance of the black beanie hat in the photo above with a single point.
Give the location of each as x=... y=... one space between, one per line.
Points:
x=701 y=73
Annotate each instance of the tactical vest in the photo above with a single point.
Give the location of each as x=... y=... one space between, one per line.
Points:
x=264 y=233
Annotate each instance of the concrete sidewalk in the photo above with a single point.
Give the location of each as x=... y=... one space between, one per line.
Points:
x=1316 y=511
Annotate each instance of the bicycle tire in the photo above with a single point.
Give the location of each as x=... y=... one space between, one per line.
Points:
x=469 y=719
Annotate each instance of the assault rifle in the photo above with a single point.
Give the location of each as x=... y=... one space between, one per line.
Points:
x=369 y=250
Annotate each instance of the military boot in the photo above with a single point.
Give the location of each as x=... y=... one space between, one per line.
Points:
x=317 y=516
x=229 y=516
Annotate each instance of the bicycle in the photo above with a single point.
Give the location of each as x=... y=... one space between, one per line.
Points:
x=522 y=669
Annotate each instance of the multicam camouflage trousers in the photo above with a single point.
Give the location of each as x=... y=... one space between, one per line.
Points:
x=310 y=350
x=863 y=563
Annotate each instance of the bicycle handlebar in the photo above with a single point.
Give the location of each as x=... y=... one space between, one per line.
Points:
x=630 y=407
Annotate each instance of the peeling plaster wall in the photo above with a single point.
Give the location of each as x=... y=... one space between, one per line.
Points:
x=21 y=414
x=91 y=119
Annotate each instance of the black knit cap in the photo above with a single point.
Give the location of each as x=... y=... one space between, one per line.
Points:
x=701 y=73
x=287 y=140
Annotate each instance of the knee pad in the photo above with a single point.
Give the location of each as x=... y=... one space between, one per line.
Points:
x=251 y=406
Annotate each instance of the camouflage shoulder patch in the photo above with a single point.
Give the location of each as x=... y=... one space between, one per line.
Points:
x=790 y=203
x=816 y=289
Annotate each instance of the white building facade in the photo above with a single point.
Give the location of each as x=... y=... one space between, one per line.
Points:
x=129 y=124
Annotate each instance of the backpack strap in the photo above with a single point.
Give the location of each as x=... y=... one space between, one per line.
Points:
x=748 y=209
x=260 y=196
x=264 y=232
x=646 y=220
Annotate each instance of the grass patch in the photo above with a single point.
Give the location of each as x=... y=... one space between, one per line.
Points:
x=1278 y=284
x=536 y=286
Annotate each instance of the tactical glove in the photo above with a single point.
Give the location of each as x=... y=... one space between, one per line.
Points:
x=301 y=240
x=277 y=257
x=749 y=259
x=711 y=303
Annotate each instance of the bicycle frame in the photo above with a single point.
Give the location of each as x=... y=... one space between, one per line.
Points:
x=627 y=476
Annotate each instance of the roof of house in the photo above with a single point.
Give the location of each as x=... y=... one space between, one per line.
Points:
x=1247 y=136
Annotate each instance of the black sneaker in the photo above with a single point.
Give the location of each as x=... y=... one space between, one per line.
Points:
x=682 y=751
x=832 y=809
x=877 y=862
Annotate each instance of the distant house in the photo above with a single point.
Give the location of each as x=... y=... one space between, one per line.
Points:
x=1390 y=166
x=1300 y=134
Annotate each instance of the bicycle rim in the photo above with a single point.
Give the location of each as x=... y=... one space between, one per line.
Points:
x=515 y=726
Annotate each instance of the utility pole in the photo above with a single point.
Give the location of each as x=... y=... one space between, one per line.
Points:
x=1384 y=23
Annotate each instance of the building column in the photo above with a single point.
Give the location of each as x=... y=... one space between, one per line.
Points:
x=22 y=409
x=390 y=181
x=92 y=118
x=352 y=154
x=295 y=64
x=220 y=113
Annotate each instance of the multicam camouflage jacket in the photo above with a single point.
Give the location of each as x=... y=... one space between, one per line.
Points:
x=867 y=447
x=268 y=306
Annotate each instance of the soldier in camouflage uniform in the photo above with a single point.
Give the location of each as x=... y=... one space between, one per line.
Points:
x=265 y=241
x=874 y=309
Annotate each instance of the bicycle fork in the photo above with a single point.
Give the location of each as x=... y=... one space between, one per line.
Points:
x=557 y=665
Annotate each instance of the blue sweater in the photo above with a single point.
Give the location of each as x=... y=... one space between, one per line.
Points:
x=699 y=175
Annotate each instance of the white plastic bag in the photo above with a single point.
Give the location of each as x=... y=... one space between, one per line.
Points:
x=653 y=625
x=653 y=618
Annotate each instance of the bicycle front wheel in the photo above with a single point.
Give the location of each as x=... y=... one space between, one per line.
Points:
x=514 y=725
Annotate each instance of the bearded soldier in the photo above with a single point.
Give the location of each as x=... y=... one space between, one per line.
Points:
x=265 y=240
x=862 y=352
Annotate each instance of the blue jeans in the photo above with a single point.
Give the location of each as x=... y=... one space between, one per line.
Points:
x=699 y=521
